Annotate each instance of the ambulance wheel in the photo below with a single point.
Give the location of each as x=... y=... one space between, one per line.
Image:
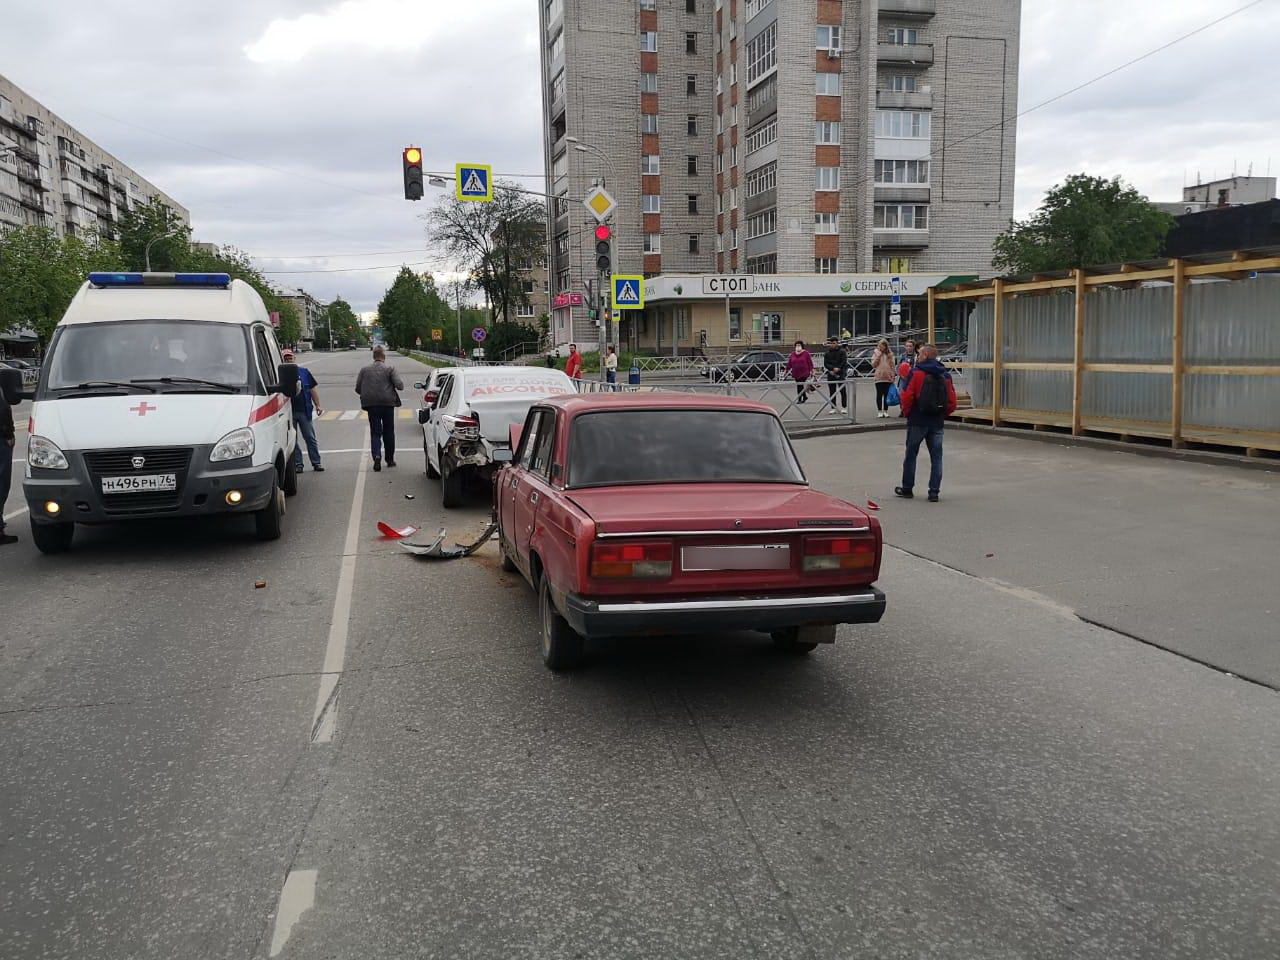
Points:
x=450 y=484
x=52 y=537
x=268 y=519
x=290 y=483
x=432 y=472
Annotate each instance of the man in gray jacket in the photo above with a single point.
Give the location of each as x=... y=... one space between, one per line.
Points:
x=377 y=385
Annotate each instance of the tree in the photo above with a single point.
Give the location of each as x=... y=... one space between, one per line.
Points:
x=1082 y=221
x=40 y=273
x=237 y=264
x=149 y=223
x=493 y=242
x=410 y=308
x=346 y=327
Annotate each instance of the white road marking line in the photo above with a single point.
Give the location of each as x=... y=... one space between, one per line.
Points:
x=297 y=896
x=324 y=719
x=16 y=513
x=349 y=414
x=350 y=450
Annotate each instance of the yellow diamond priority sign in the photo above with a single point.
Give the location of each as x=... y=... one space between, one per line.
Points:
x=601 y=203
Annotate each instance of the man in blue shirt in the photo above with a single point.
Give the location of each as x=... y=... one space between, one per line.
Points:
x=306 y=405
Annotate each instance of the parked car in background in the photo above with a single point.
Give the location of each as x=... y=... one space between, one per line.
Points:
x=752 y=365
x=468 y=412
x=639 y=514
x=29 y=369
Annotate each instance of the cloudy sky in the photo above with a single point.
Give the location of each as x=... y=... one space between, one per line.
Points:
x=279 y=123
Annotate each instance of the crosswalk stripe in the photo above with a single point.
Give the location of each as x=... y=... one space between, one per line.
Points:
x=350 y=414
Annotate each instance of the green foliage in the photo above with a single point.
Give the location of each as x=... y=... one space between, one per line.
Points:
x=1083 y=221
x=149 y=223
x=346 y=326
x=410 y=309
x=237 y=264
x=40 y=273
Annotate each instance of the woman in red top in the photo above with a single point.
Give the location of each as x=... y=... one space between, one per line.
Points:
x=800 y=366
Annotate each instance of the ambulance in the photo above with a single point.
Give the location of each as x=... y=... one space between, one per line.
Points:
x=161 y=395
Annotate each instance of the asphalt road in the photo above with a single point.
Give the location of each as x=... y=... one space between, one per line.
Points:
x=192 y=767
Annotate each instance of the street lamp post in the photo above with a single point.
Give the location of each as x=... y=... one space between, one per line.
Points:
x=146 y=253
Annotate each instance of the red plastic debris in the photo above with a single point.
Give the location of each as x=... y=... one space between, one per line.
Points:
x=872 y=505
x=393 y=533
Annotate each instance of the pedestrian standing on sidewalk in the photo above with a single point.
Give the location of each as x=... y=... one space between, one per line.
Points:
x=800 y=368
x=836 y=362
x=884 y=374
x=929 y=399
x=611 y=367
x=573 y=366
x=8 y=438
x=377 y=385
x=306 y=406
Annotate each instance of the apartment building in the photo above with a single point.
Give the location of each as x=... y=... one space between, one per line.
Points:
x=52 y=175
x=766 y=137
x=309 y=309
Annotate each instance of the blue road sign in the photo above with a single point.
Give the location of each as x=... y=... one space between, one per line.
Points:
x=478 y=334
x=628 y=292
x=475 y=182
x=895 y=298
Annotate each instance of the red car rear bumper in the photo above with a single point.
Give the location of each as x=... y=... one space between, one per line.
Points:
x=623 y=618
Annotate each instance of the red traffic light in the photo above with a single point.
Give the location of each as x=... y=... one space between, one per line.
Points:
x=603 y=232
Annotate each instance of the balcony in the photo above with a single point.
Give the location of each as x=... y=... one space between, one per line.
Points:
x=908 y=9
x=902 y=193
x=761 y=201
x=905 y=54
x=900 y=239
x=905 y=100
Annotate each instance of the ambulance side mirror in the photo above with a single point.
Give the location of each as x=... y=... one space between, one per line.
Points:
x=287 y=379
x=11 y=386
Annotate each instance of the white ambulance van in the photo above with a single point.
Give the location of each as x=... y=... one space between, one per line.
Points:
x=161 y=395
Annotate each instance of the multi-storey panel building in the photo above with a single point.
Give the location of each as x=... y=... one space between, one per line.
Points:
x=52 y=175
x=780 y=136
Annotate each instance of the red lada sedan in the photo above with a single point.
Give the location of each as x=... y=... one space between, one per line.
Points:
x=642 y=514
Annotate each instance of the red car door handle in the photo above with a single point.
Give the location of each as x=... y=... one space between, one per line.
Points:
x=533 y=497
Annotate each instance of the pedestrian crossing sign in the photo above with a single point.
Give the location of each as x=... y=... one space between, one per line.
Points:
x=475 y=182
x=628 y=292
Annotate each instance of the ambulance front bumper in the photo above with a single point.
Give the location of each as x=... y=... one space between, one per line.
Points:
x=201 y=488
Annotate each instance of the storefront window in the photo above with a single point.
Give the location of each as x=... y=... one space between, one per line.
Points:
x=735 y=323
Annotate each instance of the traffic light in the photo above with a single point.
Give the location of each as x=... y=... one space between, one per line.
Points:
x=412 y=173
x=604 y=248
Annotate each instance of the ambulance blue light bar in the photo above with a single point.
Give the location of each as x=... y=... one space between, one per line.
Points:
x=214 y=280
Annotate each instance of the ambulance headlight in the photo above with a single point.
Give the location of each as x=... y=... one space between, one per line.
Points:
x=45 y=454
x=236 y=445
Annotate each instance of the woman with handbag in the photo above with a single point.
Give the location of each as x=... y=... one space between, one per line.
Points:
x=800 y=367
x=377 y=385
x=883 y=372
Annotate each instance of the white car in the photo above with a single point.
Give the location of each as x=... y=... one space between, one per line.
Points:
x=162 y=395
x=468 y=412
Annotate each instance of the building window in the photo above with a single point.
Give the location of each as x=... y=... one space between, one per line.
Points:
x=762 y=224
x=827 y=84
x=892 y=265
x=902 y=171
x=762 y=53
x=826 y=223
x=899 y=83
x=826 y=265
x=735 y=323
x=690 y=6
x=768 y=263
x=828 y=38
x=902 y=124
x=691 y=43
x=695 y=240
x=648 y=123
x=650 y=164
x=648 y=4
x=828 y=178
x=648 y=41
x=653 y=243
x=691 y=85
x=691 y=125
x=648 y=83
x=902 y=35
x=557 y=87
x=692 y=164
x=733 y=74
x=754 y=7
x=761 y=138
x=693 y=203
x=651 y=203
x=828 y=132
x=901 y=216
x=733 y=238
x=557 y=47
x=682 y=323
x=762 y=180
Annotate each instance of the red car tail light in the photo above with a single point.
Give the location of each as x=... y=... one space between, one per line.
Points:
x=464 y=428
x=825 y=554
x=645 y=560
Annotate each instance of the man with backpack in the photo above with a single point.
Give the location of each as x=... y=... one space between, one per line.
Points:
x=927 y=401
